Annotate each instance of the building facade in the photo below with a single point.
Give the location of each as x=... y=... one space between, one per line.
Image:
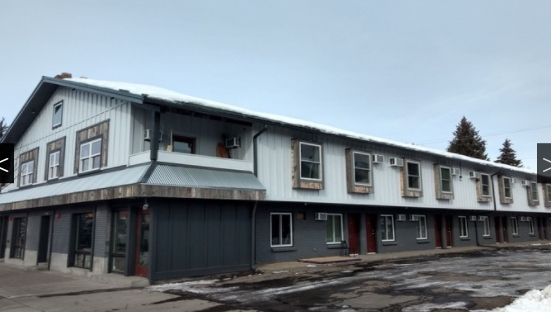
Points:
x=138 y=180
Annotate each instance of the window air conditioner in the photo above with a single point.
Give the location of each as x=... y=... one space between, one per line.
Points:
x=474 y=175
x=148 y=134
x=378 y=159
x=413 y=218
x=523 y=219
x=525 y=183
x=321 y=216
x=401 y=217
x=481 y=218
x=473 y=218
x=396 y=162
x=456 y=171
x=233 y=142
x=513 y=180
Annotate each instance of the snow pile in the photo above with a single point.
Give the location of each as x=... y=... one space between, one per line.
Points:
x=532 y=301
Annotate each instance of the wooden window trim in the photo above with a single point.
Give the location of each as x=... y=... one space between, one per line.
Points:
x=440 y=194
x=351 y=185
x=26 y=157
x=547 y=195
x=404 y=180
x=54 y=146
x=481 y=198
x=501 y=186
x=298 y=181
x=88 y=134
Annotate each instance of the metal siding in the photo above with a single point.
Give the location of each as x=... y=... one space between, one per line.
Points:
x=203 y=178
x=80 y=110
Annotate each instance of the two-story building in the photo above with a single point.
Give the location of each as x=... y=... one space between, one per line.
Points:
x=138 y=180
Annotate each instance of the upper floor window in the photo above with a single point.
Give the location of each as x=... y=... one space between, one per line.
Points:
x=358 y=172
x=310 y=161
x=307 y=167
x=182 y=144
x=485 y=180
x=547 y=194
x=58 y=115
x=27 y=173
x=362 y=168
x=53 y=165
x=413 y=175
x=446 y=179
x=333 y=228
x=282 y=229
x=534 y=191
x=507 y=188
x=90 y=155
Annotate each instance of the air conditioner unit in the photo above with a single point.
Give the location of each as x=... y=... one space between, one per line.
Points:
x=481 y=218
x=396 y=162
x=321 y=216
x=456 y=171
x=413 y=217
x=401 y=217
x=233 y=142
x=513 y=180
x=522 y=219
x=473 y=218
x=474 y=175
x=148 y=134
x=378 y=159
x=525 y=183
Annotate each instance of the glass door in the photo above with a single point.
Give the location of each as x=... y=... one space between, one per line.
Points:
x=141 y=263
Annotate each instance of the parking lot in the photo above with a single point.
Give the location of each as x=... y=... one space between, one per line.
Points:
x=480 y=280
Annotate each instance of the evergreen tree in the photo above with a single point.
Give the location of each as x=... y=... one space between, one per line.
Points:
x=508 y=155
x=467 y=142
x=3 y=127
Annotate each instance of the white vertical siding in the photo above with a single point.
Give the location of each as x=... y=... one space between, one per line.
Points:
x=80 y=110
x=275 y=165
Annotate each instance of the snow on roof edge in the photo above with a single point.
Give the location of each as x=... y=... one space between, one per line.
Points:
x=175 y=97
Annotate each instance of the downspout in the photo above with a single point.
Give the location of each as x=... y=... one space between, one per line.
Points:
x=494 y=200
x=154 y=147
x=253 y=217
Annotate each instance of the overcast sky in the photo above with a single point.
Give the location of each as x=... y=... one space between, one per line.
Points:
x=401 y=70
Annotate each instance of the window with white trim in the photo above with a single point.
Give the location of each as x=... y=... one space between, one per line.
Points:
x=534 y=191
x=333 y=228
x=486 y=226
x=421 y=227
x=362 y=168
x=514 y=225
x=58 y=115
x=463 y=227
x=548 y=193
x=387 y=228
x=531 y=230
x=446 y=179
x=310 y=161
x=281 y=229
x=485 y=180
x=27 y=173
x=413 y=175
x=507 y=188
x=53 y=165
x=90 y=155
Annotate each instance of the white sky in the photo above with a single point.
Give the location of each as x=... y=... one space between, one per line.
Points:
x=401 y=70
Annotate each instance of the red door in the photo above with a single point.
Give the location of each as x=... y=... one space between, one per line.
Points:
x=438 y=231
x=370 y=228
x=448 y=221
x=504 y=228
x=498 y=229
x=141 y=263
x=354 y=233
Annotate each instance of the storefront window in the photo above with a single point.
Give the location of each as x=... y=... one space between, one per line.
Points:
x=118 y=248
x=84 y=240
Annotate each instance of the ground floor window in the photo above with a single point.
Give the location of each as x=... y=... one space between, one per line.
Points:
x=19 y=235
x=118 y=248
x=334 y=228
x=514 y=225
x=387 y=228
x=463 y=228
x=421 y=227
x=531 y=230
x=281 y=229
x=84 y=230
x=486 y=226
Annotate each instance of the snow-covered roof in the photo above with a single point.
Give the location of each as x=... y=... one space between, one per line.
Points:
x=175 y=98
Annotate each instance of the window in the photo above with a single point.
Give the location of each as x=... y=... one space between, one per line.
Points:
x=514 y=225
x=333 y=227
x=282 y=229
x=19 y=235
x=507 y=188
x=421 y=227
x=413 y=175
x=446 y=179
x=118 y=248
x=90 y=155
x=362 y=170
x=53 y=165
x=310 y=161
x=463 y=227
x=485 y=180
x=534 y=191
x=548 y=195
x=182 y=144
x=387 y=228
x=27 y=173
x=84 y=224
x=58 y=115
x=531 y=226
x=486 y=226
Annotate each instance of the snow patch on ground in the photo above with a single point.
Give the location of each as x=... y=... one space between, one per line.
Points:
x=427 y=307
x=532 y=301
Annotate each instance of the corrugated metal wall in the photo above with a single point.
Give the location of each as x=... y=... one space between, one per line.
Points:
x=80 y=110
